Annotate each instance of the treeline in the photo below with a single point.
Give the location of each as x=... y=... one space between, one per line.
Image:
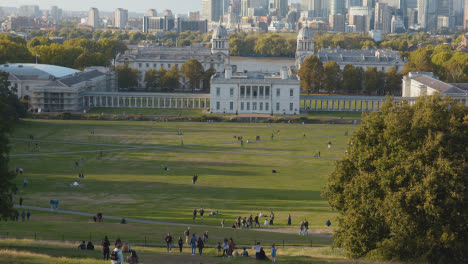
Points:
x=447 y=64
x=76 y=53
x=11 y=109
x=329 y=78
x=190 y=75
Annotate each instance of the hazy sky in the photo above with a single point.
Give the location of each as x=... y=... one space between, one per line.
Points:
x=177 y=6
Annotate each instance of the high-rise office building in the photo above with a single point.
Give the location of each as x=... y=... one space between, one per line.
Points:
x=319 y=8
x=235 y=7
x=383 y=18
x=56 y=13
x=212 y=10
x=465 y=17
x=29 y=11
x=245 y=7
x=392 y=3
x=93 y=17
x=337 y=7
x=354 y=3
x=337 y=22
x=120 y=18
x=151 y=13
x=194 y=15
x=282 y=6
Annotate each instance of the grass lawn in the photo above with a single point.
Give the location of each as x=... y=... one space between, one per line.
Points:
x=236 y=180
x=46 y=252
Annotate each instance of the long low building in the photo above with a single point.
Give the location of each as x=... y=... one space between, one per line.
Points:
x=417 y=84
x=50 y=88
x=255 y=92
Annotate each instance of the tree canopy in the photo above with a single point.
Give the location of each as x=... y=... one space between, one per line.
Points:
x=400 y=191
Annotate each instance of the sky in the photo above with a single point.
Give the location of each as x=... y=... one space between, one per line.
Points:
x=139 y=6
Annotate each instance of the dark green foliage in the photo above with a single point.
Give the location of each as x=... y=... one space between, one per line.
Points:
x=311 y=73
x=401 y=190
x=10 y=110
x=127 y=77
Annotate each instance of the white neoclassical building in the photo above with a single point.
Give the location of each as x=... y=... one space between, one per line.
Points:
x=255 y=93
x=381 y=59
x=149 y=56
x=417 y=84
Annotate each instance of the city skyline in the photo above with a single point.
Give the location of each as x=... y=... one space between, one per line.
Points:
x=138 y=6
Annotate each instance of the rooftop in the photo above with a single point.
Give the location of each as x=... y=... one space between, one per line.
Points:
x=437 y=85
x=32 y=71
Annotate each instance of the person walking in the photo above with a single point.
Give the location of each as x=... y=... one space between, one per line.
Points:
x=194 y=213
x=273 y=253
x=187 y=235
x=25 y=182
x=256 y=221
x=193 y=243
x=289 y=219
x=222 y=223
x=28 y=215
x=17 y=216
x=202 y=212
x=181 y=244
x=205 y=237
x=23 y=216
x=105 y=248
x=232 y=247
x=301 y=232
x=51 y=205
x=225 y=247
x=169 y=242
x=201 y=245
x=21 y=202
x=116 y=255
x=306 y=227
x=272 y=217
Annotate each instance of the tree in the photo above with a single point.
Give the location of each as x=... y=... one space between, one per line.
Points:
x=311 y=73
x=127 y=77
x=39 y=41
x=172 y=78
x=12 y=52
x=11 y=110
x=207 y=78
x=193 y=70
x=90 y=59
x=333 y=79
x=374 y=81
x=393 y=81
x=151 y=79
x=162 y=78
x=56 y=54
x=352 y=79
x=400 y=192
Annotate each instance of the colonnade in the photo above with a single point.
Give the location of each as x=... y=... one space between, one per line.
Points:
x=343 y=103
x=126 y=100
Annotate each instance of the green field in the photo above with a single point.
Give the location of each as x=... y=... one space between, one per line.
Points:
x=129 y=179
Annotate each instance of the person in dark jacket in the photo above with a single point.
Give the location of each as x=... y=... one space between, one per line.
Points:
x=105 y=248
x=289 y=219
x=28 y=215
x=23 y=216
x=82 y=246
x=200 y=245
x=21 y=202
x=90 y=246
x=168 y=240
x=181 y=244
x=194 y=213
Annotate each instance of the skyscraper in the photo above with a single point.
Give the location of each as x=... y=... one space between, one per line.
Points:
x=93 y=17
x=465 y=17
x=56 y=13
x=212 y=10
x=151 y=13
x=120 y=18
x=337 y=7
x=319 y=8
x=282 y=6
x=383 y=18
x=245 y=7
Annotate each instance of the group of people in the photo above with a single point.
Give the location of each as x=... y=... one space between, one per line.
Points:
x=23 y=216
x=116 y=255
x=97 y=218
x=84 y=246
x=54 y=204
x=252 y=222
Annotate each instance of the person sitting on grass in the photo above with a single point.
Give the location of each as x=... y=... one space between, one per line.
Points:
x=82 y=246
x=132 y=258
x=90 y=246
x=245 y=253
x=263 y=255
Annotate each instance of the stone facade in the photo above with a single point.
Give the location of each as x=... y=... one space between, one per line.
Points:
x=255 y=93
x=417 y=84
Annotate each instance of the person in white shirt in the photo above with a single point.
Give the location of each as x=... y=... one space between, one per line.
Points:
x=116 y=255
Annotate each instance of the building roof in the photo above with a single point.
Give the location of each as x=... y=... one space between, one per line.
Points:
x=30 y=71
x=435 y=84
x=359 y=56
x=305 y=33
x=82 y=77
x=254 y=76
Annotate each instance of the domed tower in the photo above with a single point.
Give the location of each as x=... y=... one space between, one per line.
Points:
x=220 y=42
x=305 y=45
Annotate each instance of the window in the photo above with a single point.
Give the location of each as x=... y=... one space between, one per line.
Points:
x=231 y=106
x=27 y=88
x=254 y=91
x=147 y=65
x=254 y=106
x=218 y=105
x=266 y=106
x=291 y=106
x=277 y=106
x=261 y=91
x=248 y=106
x=231 y=92
x=139 y=65
x=291 y=92
x=248 y=91
x=267 y=91
x=278 y=93
x=218 y=91
x=242 y=106
x=242 y=91
x=154 y=65
x=261 y=106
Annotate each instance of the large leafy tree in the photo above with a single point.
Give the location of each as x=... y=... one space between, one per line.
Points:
x=172 y=78
x=12 y=52
x=193 y=70
x=207 y=78
x=393 y=81
x=10 y=110
x=151 y=79
x=374 y=81
x=352 y=79
x=400 y=192
x=333 y=78
x=127 y=77
x=311 y=74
